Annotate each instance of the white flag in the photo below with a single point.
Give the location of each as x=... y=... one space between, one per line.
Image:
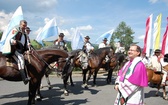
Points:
x=50 y=29
x=77 y=41
x=105 y=35
x=15 y=20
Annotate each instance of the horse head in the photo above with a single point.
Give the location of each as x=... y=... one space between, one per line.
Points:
x=166 y=58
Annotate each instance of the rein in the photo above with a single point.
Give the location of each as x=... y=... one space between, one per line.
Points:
x=42 y=59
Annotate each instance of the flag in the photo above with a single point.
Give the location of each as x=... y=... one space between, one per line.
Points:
x=165 y=41
x=147 y=39
x=77 y=40
x=156 y=34
x=50 y=29
x=105 y=35
x=15 y=20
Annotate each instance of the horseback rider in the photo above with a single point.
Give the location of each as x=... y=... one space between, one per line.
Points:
x=87 y=47
x=15 y=44
x=102 y=45
x=61 y=42
x=157 y=63
x=120 y=48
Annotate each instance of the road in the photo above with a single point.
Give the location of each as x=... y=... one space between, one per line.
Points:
x=15 y=93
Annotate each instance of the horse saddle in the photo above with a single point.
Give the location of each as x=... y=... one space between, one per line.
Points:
x=11 y=62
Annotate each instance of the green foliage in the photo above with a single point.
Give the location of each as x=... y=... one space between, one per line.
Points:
x=124 y=34
x=35 y=44
x=1 y=34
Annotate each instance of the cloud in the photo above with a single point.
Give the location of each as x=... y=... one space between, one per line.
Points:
x=88 y=27
x=44 y=3
x=141 y=37
x=153 y=1
x=4 y=20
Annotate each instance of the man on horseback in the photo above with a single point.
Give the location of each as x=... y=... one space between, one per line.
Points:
x=87 y=47
x=120 y=48
x=104 y=43
x=157 y=64
x=61 y=42
x=15 y=44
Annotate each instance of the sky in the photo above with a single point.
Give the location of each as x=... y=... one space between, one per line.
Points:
x=92 y=17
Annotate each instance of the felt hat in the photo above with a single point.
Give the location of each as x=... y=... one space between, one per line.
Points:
x=61 y=35
x=105 y=39
x=87 y=37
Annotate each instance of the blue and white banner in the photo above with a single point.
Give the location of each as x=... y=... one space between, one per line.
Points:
x=50 y=29
x=77 y=41
x=15 y=20
x=105 y=35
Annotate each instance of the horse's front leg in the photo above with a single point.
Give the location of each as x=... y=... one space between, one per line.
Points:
x=164 y=93
x=65 y=79
x=84 y=72
x=70 y=76
x=48 y=81
x=32 y=93
x=38 y=94
x=109 y=76
x=94 y=77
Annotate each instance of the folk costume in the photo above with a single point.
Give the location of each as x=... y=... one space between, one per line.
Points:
x=87 y=47
x=157 y=64
x=61 y=44
x=17 y=50
x=131 y=80
x=103 y=44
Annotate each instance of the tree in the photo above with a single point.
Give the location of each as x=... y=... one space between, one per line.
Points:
x=1 y=34
x=124 y=34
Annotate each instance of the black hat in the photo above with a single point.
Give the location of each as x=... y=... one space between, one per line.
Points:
x=28 y=29
x=105 y=39
x=87 y=37
x=61 y=35
x=157 y=51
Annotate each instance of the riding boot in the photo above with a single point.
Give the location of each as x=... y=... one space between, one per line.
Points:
x=24 y=78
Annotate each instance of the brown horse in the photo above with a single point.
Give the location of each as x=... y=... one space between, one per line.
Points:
x=94 y=62
x=62 y=67
x=36 y=64
x=156 y=78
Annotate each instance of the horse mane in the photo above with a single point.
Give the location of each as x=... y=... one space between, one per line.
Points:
x=99 y=51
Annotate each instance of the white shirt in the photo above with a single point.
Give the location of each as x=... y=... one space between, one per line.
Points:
x=101 y=45
x=88 y=47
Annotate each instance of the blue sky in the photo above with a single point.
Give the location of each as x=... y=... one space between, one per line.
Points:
x=92 y=17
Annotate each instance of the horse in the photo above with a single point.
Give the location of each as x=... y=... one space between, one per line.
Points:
x=95 y=61
x=115 y=62
x=62 y=67
x=36 y=63
x=156 y=78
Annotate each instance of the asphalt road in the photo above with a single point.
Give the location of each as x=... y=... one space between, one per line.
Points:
x=16 y=93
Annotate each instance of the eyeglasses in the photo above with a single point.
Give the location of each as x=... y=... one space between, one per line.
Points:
x=131 y=50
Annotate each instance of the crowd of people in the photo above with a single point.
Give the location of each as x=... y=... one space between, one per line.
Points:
x=131 y=80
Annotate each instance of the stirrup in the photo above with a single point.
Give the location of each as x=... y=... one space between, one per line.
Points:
x=26 y=80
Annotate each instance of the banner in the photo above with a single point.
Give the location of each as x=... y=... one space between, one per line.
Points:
x=156 y=34
x=105 y=35
x=15 y=20
x=77 y=40
x=165 y=41
x=50 y=29
x=147 y=39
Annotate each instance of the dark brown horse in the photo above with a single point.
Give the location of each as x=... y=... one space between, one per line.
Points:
x=156 y=78
x=36 y=64
x=62 y=67
x=95 y=62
